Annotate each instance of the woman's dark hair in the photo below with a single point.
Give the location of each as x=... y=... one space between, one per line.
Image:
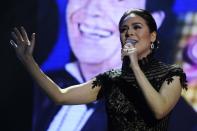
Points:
x=148 y=19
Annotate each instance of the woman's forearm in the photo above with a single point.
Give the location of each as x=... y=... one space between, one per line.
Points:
x=49 y=87
x=24 y=50
x=155 y=101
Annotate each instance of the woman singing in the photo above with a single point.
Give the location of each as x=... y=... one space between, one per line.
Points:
x=139 y=96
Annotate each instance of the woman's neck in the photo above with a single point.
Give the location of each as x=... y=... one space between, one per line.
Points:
x=144 y=54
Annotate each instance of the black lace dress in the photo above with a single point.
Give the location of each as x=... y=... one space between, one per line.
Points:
x=126 y=106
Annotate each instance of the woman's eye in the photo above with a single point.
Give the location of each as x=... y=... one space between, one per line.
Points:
x=137 y=27
x=122 y=29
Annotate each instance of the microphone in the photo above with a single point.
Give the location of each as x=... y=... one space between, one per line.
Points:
x=130 y=41
x=126 y=60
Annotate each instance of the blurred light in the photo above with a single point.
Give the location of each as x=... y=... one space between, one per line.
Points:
x=182 y=6
x=191 y=51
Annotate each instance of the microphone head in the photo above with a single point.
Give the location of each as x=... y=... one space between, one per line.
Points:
x=131 y=41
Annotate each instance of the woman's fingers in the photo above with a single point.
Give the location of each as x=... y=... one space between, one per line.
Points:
x=18 y=34
x=129 y=50
x=21 y=38
x=126 y=46
x=13 y=44
x=15 y=38
x=24 y=35
x=32 y=42
x=21 y=43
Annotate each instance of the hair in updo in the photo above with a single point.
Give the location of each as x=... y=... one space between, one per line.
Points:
x=150 y=21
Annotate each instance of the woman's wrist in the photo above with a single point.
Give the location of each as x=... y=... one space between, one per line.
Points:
x=134 y=65
x=135 y=68
x=28 y=61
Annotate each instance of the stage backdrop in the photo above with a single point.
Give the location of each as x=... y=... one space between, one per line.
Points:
x=74 y=32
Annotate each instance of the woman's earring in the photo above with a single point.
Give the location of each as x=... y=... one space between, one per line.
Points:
x=152 y=46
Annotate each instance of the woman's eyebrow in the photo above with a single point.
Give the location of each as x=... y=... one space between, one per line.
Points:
x=124 y=25
x=137 y=23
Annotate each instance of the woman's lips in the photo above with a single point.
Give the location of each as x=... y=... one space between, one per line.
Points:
x=94 y=32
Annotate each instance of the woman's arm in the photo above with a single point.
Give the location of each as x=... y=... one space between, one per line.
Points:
x=162 y=102
x=77 y=94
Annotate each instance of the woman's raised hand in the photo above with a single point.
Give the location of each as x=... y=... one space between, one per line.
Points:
x=22 y=45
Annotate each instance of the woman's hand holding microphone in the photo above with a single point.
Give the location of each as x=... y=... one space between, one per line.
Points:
x=130 y=51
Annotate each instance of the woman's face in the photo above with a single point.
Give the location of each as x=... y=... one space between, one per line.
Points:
x=93 y=28
x=135 y=28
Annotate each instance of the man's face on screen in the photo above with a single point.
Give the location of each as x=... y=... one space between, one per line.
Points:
x=93 y=27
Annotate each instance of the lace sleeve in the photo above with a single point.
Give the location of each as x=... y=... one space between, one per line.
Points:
x=101 y=80
x=177 y=71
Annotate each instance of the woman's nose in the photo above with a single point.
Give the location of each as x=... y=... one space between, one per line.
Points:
x=129 y=32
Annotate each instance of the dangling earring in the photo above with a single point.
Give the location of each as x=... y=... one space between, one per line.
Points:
x=152 y=46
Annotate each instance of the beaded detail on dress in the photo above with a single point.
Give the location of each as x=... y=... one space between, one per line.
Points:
x=126 y=106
